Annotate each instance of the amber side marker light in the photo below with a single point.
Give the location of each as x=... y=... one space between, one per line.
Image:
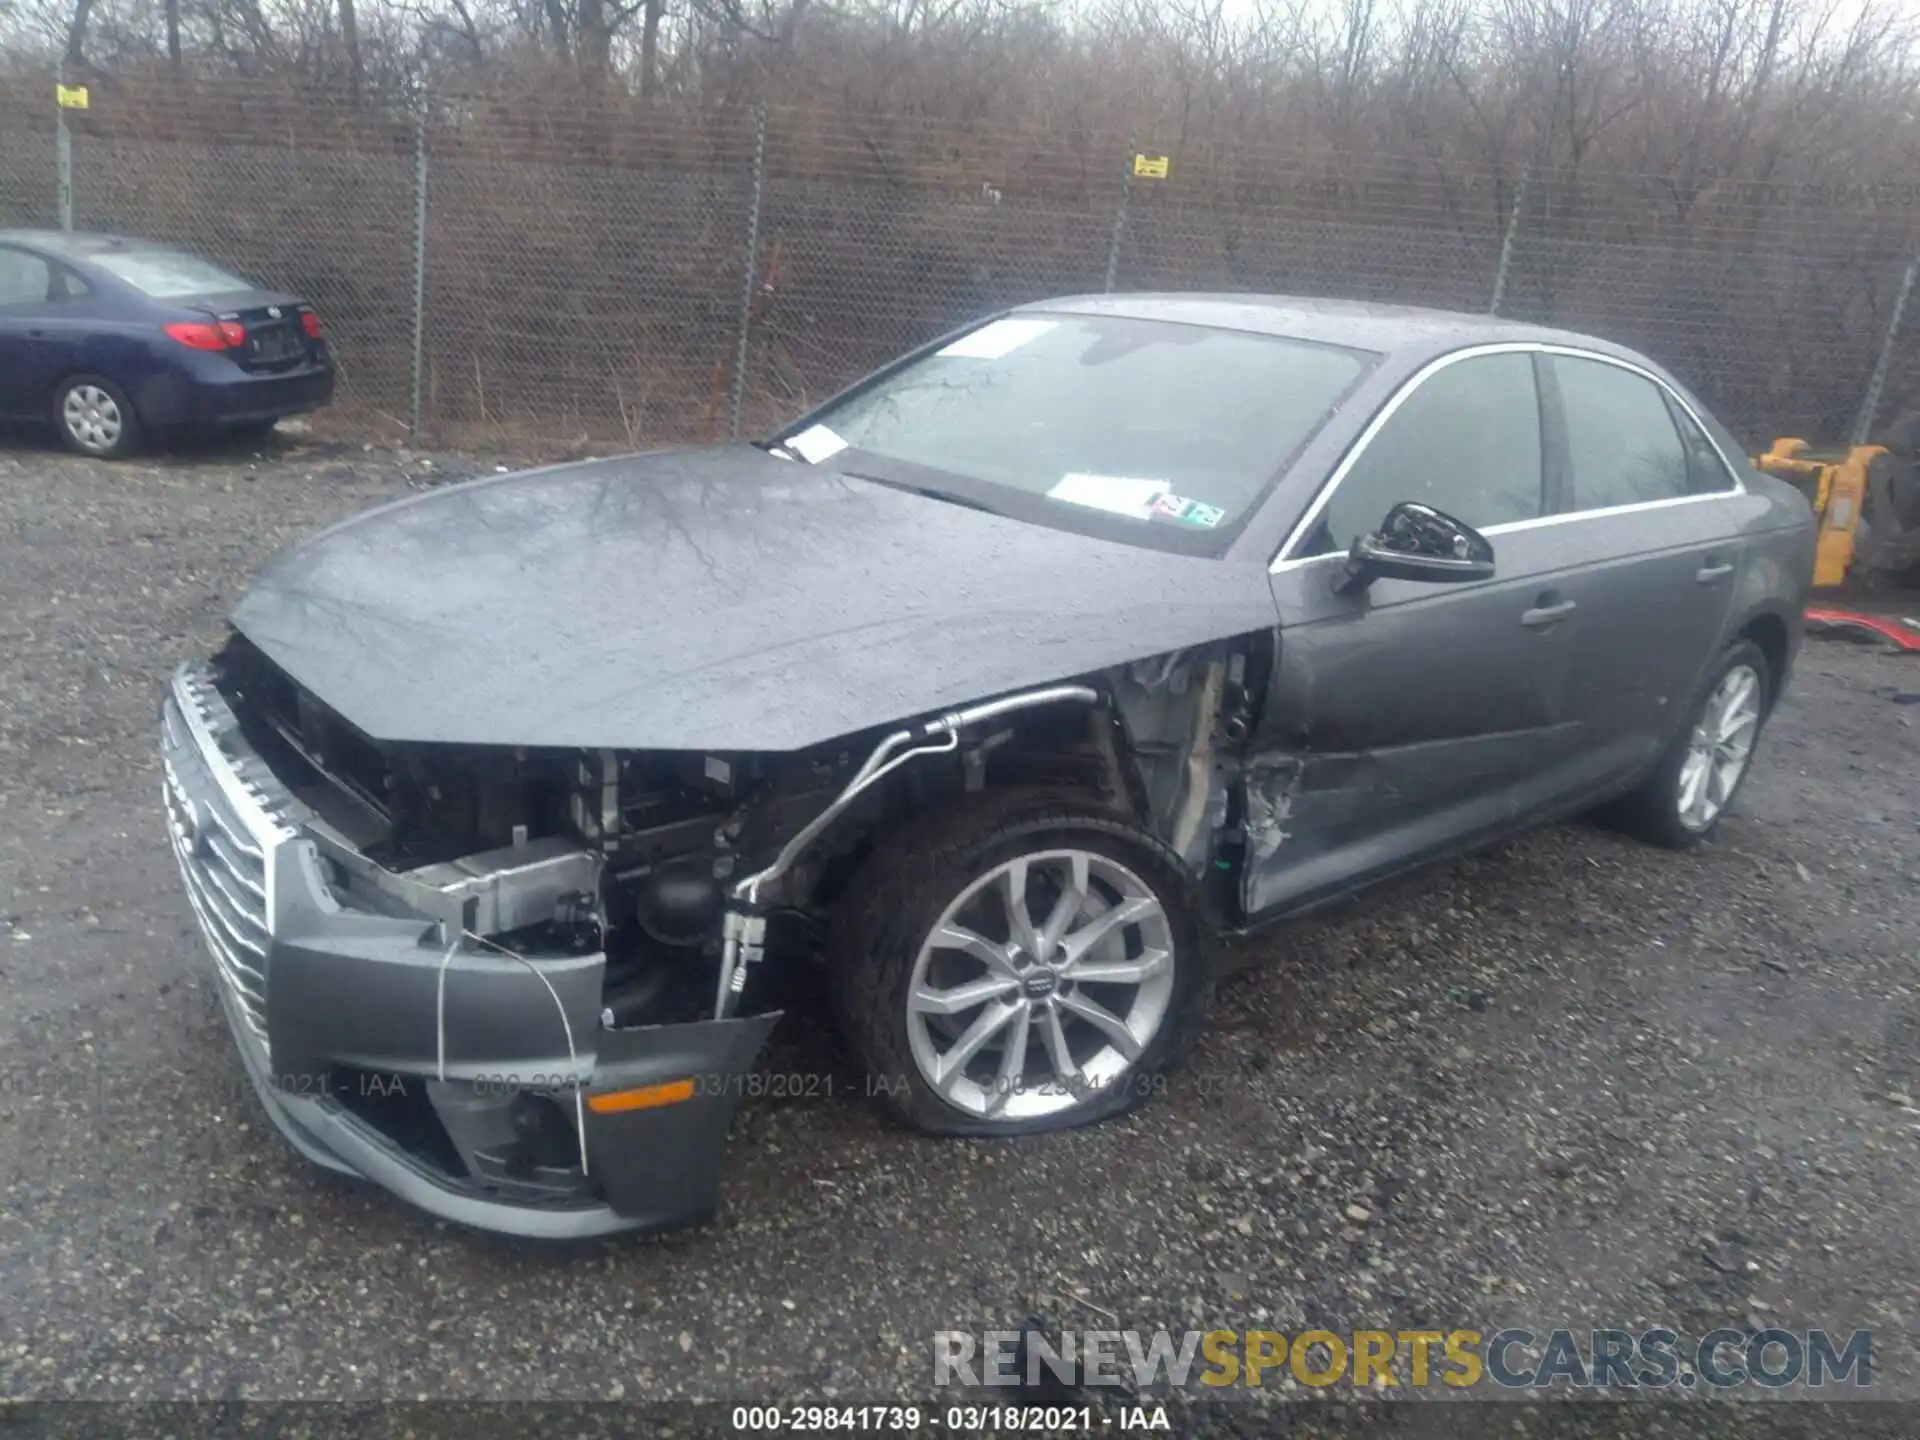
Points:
x=647 y=1097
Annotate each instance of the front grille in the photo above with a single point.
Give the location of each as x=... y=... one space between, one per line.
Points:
x=226 y=880
x=221 y=847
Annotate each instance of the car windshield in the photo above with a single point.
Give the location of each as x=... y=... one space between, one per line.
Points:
x=1159 y=423
x=169 y=274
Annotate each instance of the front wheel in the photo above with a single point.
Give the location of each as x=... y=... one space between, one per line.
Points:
x=1688 y=794
x=1023 y=966
x=94 y=418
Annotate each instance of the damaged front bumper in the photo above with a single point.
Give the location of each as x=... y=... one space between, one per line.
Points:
x=386 y=1042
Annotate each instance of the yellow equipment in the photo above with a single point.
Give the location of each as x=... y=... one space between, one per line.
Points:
x=1836 y=484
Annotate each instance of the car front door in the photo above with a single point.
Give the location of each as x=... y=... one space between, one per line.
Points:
x=26 y=288
x=1406 y=718
x=1652 y=539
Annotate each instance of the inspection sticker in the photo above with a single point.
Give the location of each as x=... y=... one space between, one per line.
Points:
x=1172 y=506
x=1115 y=494
x=1001 y=338
x=1204 y=515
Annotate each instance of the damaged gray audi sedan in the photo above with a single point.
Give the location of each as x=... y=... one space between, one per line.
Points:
x=1005 y=683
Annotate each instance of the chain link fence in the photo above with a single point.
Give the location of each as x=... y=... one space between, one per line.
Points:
x=597 y=271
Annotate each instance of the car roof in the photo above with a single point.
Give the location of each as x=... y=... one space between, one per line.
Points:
x=1357 y=324
x=78 y=244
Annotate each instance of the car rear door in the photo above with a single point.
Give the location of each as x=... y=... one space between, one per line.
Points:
x=1408 y=718
x=1647 y=526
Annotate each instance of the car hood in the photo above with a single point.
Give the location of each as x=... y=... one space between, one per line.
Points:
x=713 y=599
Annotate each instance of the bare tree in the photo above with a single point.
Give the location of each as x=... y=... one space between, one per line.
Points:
x=77 y=33
x=350 y=38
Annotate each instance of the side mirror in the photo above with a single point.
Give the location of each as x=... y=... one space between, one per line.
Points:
x=1417 y=542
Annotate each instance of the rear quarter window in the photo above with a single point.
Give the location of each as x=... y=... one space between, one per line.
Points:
x=1707 y=472
x=24 y=279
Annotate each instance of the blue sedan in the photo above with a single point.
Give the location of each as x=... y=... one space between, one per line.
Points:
x=116 y=341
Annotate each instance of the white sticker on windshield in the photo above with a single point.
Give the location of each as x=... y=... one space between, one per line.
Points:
x=1114 y=493
x=815 y=443
x=1002 y=337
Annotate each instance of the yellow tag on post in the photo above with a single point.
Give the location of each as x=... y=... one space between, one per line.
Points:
x=1151 y=167
x=71 y=97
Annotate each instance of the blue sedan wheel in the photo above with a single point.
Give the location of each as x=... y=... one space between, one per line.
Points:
x=94 y=418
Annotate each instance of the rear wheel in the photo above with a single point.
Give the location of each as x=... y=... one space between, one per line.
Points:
x=1686 y=797
x=1026 y=965
x=94 y=418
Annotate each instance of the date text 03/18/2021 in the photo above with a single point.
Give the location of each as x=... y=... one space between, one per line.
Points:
x=963 y=1420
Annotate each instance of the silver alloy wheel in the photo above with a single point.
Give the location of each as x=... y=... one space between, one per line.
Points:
x=1721 y=744
x=1094 y=979
x=92 y=418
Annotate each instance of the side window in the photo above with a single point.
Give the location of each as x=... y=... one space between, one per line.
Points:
x=1465 y=441
x=69 y=286
x=24 y=279
x=1707 y=472
x=1622 y=447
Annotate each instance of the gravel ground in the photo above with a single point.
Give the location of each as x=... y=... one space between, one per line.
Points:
x=1569 y=1082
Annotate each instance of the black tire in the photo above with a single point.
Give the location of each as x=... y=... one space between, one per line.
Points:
x=1651 y=812
x=894 y=903
x=126 y=434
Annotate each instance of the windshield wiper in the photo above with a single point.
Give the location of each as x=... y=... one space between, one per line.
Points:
x=931 y=492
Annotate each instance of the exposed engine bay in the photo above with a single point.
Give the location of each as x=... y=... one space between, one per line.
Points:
x=685 y=868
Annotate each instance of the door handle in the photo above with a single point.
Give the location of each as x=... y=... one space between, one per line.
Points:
x=1714 y=569
x=1550 y=613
